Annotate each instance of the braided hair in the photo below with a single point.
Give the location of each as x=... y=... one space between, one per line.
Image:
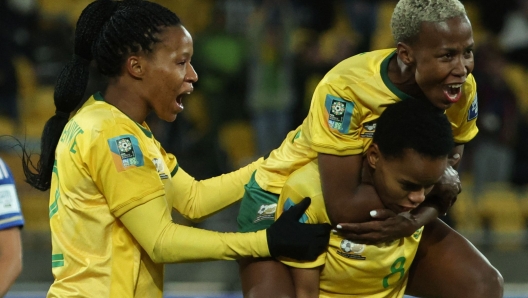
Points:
x=107 y=32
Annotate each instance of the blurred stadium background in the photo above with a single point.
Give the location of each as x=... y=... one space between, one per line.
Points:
x=258 y=63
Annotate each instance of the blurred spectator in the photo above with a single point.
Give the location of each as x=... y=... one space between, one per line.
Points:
x=492 y=149
x=270 y=87
x=514 y=34
x=493 y=12
x=363 y=16
x=16 y=24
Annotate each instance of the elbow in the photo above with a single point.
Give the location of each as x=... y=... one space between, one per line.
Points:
x=157 y=258
x=18 y=269
x=11 y=272
x=195 y=218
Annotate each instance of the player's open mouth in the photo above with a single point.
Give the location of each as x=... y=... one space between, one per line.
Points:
x=179 y=99
x=453 y=92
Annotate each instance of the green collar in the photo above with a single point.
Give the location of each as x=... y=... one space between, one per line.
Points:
x=99 y=97
x=384 y=70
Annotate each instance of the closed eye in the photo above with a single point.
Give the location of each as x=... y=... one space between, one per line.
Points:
x=409 y=186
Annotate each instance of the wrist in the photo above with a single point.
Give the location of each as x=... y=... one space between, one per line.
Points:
x=424 y=214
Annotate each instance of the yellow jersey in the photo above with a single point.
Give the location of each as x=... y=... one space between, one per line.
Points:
x=105 y=165
x=343 y=112
x=350 y=269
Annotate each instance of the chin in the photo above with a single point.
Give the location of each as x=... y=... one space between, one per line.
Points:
x=442 y=105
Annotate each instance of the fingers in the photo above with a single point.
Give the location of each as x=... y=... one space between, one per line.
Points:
x=295 y=212
x=317 y=242
x=357 y=228
x=454 y=159
x=382 y=213
x=363 y=238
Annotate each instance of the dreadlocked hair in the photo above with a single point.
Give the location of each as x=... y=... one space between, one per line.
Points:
x=107 y=32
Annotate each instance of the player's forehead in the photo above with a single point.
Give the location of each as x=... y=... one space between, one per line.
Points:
x=452 y=33
x=415 y=168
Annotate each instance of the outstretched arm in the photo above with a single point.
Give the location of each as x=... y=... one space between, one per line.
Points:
x=197 y=200
x=10 y=258
x=166 y=242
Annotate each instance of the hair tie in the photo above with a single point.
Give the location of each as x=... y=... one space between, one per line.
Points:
x=62 y=114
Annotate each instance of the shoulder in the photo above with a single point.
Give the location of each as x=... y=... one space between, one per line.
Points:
x=357 y=68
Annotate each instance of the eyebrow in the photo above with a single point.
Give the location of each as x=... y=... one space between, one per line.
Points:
x=412 y=184
x=407 y=182
x=449 y=49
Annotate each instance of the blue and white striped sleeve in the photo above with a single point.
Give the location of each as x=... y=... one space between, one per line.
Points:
x=10 y=212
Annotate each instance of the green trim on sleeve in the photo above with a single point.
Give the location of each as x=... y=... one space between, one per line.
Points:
x=57 y=260
x=175 y=170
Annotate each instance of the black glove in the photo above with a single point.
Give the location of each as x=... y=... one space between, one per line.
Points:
x=287 y=237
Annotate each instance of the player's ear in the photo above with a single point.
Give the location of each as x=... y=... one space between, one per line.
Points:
x=405 y=53
x=135 y=66
x=373 y=155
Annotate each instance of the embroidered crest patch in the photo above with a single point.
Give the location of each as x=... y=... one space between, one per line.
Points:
x=266 y=212
x=368 y=129
x=158 y=163
x=339 y=113
x=351 y=250
x=125 y=152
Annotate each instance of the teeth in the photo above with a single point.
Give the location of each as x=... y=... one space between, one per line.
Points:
x=455 y=85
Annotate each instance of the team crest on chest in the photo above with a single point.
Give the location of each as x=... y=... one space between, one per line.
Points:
x=351 y=250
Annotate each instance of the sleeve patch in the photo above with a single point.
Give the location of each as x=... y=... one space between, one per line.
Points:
x=473 y=110
x=126 y=152
x=339 y=113
x=8 y=200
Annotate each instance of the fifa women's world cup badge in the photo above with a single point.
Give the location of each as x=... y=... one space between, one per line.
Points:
x=126 y=152
x=125 y=148
x=339 y=113
x=338 y=109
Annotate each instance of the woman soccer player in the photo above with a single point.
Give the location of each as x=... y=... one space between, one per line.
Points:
x=432 y=62
x=113 y=186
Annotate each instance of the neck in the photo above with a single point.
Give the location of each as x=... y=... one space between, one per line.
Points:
x=400 y=73
x=402 y=76
x=125 y=97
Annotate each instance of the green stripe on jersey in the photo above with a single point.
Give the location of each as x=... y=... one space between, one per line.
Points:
x=57 y=260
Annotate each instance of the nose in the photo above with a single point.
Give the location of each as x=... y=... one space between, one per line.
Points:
x=461 y=68
x=417 y=197
x=191 y=75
